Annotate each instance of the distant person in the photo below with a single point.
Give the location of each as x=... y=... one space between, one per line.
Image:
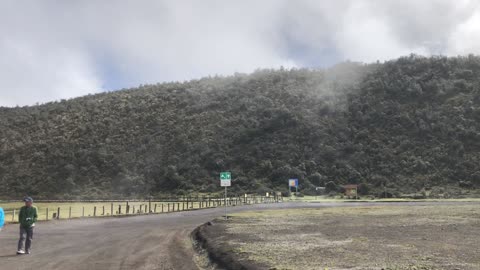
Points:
x=2 y=218
x=27 y=218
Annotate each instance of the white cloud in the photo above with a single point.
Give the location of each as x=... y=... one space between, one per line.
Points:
x=59 y=49
x=369 y=38
x=466 y=37
x=31 y=74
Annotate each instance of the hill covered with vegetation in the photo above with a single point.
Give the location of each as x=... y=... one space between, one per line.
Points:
x=412 y=125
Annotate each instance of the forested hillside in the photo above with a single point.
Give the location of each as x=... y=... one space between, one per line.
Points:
x=412 y=125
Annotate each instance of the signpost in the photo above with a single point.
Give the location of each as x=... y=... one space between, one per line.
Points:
x=293 y=183
x=225 y=181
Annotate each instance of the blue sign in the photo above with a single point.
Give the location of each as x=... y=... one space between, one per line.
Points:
x=293 y=182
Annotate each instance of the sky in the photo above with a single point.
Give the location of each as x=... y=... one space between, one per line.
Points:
x=52 y=50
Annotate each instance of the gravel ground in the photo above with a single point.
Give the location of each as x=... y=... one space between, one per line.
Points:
x=141 y=242
x=394 y=236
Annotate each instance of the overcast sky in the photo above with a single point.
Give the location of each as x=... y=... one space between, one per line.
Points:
x=51 y=50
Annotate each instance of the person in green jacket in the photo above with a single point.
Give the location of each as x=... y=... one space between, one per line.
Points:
x=2 y=218
x=27 y=218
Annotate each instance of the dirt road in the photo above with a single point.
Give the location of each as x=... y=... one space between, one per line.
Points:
x=141 y=242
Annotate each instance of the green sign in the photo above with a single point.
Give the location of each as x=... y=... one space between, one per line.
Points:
x=225 y=179
x=225 y=176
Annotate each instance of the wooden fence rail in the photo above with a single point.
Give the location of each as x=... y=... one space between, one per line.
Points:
x=55 y=209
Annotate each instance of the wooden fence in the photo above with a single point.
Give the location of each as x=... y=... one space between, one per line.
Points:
x=63 y=209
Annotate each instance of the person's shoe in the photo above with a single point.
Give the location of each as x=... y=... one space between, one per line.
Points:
x=20 y=252
x=28 y=252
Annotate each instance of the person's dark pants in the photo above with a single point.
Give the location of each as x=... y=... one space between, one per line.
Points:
x=28 y=243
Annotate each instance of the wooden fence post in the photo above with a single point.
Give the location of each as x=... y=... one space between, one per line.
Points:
x=111 y=209
x=13 y=216
x=58 y=213
x=127 y=208
x=162 y=207
x=149 y=205
x=155 y=209
x=119 y=209
x=94 y=211
x=83 y=211
x=70 y=212
x=103 y=210
x=47 y=214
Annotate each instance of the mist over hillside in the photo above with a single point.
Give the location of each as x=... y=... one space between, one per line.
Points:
x=411 y=124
